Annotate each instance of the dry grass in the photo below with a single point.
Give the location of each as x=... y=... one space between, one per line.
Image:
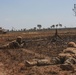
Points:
x=14 y=59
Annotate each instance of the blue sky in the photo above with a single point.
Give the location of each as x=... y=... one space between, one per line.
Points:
x=28 y=13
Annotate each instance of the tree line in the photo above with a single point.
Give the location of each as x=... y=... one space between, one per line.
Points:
x=38 y=28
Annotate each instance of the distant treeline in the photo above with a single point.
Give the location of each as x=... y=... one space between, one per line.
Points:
x=45 y=29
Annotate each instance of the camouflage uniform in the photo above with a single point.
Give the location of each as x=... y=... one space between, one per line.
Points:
x=68 y=56
x=15 y=44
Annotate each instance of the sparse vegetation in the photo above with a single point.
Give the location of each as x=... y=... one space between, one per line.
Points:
x=37 y=46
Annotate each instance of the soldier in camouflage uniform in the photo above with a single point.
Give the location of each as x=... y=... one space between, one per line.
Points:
x=14 y=44
x=67 y=57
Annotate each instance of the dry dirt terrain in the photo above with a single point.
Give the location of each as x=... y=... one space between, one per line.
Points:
x=38 y=45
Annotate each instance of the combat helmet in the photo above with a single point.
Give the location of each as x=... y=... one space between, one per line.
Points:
x=19 y=39
x=71 y=44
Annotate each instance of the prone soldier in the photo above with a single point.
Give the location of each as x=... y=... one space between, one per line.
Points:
x=18 y=43
x=67 y=58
